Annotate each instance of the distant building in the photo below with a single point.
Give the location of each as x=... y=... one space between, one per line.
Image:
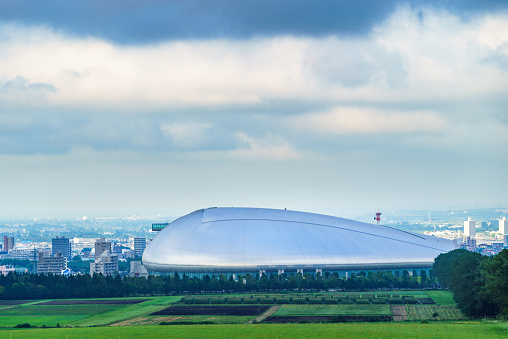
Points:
x=128 y=254
x=105 y=263
x=6 y=269
x=23 y=254
x=55 y=264
x=469 y=228
x=117 y=248
x=86 y=254
x=137 y=269
x=61 y=245
x=470 y=243
x=503 y=226
x=101 y=245
x=158 y=227
x=8 y=243
x=139 y=246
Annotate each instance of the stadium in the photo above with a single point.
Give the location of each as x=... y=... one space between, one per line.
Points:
x=256 y=240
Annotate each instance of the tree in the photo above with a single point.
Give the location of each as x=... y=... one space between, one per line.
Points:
x=444 y=263
x=466 y=283
x=496 y=281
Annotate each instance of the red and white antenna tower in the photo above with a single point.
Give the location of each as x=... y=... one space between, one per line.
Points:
x=378 y=217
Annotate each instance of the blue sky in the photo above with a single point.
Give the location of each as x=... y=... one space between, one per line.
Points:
x=157 y=107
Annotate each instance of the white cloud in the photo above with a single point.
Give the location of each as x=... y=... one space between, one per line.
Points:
x=186 y=134
x=263 y=148
x=348 y=120
x=405 y=58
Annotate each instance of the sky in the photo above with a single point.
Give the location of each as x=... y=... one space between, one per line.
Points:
x=149 y=108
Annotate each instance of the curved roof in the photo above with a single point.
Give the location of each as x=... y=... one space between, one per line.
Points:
x=249 y=239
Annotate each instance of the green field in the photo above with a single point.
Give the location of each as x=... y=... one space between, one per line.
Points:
x=332 y=310
x=442 y=297
x=124 y=320
x=59 y=310
x=48 y=320
x=378 y=330
x=79 y=315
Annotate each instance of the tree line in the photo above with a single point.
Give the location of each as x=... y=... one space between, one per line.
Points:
x=47 y=286
x=479 y=283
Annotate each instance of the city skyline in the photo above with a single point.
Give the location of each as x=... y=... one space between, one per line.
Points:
x=327 y=107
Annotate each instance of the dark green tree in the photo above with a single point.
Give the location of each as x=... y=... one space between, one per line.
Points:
x=496 y=281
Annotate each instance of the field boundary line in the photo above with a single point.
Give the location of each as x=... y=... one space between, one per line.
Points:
x=265 y=315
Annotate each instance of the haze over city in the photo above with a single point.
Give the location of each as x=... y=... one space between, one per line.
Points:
x=155 y=107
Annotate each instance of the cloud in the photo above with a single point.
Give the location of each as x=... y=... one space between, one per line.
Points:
x=283 y=109
x=352 y=120
x=157 y=21
x=148 y=22
x=421 y=71
x=268 y=147
x=187 y=134
x=416 y=56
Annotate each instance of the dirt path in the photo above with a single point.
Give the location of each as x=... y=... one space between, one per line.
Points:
x=268 y=313
x=399 y=312
x=144 y=321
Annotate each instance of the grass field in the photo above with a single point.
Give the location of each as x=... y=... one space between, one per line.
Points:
x=442 y=297
x=378 y=330
x=59 y=310
x=48 y=320
x=332 y=310
x=128 y=312
x=79 y=315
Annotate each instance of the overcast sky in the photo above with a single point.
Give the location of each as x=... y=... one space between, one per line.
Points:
x=115 y=108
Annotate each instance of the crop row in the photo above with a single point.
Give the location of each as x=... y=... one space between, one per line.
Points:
x=434 y=312
x=291 y=300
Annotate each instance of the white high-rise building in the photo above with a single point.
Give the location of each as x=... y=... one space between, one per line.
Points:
x=469 y=228
x=503 y=226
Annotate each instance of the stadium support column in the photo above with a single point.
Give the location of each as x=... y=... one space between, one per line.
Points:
x=299 y=270
x=320 y=271
x=261 y=272
x=280 y=271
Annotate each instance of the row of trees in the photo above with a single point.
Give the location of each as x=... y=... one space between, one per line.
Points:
x=40 y=286
x=479 y=283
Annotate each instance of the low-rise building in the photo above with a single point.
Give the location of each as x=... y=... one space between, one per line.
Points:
x=107 y=264
x=137 y=269
x=6 y=269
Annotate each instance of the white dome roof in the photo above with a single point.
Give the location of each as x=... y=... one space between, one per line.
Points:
x=240 y=240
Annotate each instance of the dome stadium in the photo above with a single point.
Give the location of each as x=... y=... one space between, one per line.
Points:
x=257 y=240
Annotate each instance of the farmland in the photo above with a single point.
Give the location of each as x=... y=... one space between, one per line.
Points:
x=272 y=315
x=332 y=310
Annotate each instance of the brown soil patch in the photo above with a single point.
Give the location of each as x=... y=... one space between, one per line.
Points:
x=213 y=310
x=94 y=302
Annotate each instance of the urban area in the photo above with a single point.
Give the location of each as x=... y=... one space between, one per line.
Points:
x=115 y=246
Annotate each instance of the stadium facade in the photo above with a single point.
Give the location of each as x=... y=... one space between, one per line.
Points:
x=256 y=240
